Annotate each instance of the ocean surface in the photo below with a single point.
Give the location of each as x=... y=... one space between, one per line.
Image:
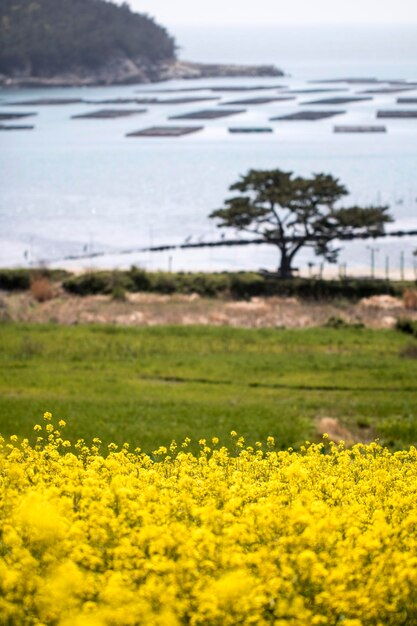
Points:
x=81 y=188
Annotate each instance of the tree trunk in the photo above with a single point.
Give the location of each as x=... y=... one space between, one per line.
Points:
x=284 y=269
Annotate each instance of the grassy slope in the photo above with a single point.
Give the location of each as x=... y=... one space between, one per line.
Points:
x=150 y=385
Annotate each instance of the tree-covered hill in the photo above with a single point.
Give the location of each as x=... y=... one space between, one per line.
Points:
x=45 y=38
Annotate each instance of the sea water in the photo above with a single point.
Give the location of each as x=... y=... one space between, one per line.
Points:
x=81 y=188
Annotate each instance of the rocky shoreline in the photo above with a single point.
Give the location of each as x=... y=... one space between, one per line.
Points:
x=123 y=71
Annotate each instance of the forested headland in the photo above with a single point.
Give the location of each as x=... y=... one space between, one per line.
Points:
x=45 y=38
x=94 y=42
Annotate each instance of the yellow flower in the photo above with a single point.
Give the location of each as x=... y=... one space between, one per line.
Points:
x=312 y=537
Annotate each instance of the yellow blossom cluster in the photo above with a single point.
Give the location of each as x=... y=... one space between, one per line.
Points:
x=253 y=536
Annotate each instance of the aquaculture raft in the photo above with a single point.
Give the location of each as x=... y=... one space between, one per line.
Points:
x=166 y=131
x=349 y=81
x=186 y=100
x=407 y=100
x=306 y=116
x=246 y=87
x=251 y=130
x=360 y=129
x=209 y=114
x=122 y=101
x=108 y=114
x=4 y=117
x=318 y=90
x=341 y=100
x=258 y=100
x=397 y=114
x=389 y=89
x=15 y=127
x=46 y=102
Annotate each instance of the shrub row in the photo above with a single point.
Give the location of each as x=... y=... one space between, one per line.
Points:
x=240 y=285
x=21 y=279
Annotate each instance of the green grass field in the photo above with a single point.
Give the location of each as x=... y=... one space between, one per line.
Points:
x=151 y=385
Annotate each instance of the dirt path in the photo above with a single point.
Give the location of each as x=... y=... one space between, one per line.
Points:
x=152 y=309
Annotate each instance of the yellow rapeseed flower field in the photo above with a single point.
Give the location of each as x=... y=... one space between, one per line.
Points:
x=323 y=536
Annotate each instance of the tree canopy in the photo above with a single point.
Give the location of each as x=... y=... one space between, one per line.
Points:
x=294 y=212
x=51 y=36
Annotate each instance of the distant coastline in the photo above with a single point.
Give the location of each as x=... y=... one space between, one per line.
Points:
x=123 y=71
